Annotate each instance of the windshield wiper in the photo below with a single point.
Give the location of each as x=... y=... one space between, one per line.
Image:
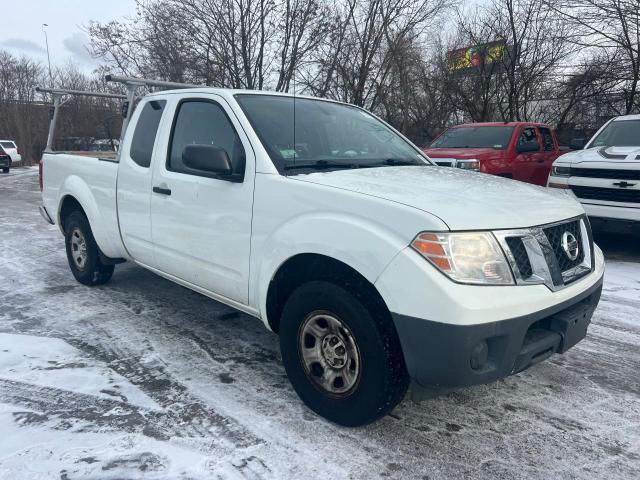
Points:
x=321 y=165
x=400 y=162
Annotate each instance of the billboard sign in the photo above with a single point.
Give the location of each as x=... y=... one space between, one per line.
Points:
x=477 y=57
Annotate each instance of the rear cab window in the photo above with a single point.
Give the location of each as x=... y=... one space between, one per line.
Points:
x=8 y=144
x=144 y=136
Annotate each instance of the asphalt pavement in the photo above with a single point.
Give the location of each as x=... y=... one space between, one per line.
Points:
x=141 y=378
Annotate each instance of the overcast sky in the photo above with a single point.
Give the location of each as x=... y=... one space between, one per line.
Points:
x=21 y=27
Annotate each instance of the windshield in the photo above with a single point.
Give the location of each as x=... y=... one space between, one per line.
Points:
x=623 y=133
x=474 y=137
x=320 y=135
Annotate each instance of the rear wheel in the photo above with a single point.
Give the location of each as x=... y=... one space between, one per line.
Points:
x=83 y=253
x=344 y=361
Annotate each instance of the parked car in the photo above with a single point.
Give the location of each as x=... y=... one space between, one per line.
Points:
x=605 y=175
x=5 y=160
x=374 y=266
x=519 y=150
x=11 y=149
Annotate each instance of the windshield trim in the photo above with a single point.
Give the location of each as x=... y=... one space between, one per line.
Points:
x=288 y=172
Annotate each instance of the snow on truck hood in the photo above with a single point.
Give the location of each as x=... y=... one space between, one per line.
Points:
x=602 y=155
x=463 y=200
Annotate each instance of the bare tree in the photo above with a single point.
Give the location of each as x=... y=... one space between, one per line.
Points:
x=611 y=25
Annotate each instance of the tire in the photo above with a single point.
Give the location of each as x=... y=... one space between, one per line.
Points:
x=83 y=253
x=374 y=376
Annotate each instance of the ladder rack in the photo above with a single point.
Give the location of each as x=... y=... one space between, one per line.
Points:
x=58 y=94
x=131 y=84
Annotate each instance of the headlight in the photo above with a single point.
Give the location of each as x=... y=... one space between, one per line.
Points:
x=560 y=171
x=466 y=257
x=470 y=164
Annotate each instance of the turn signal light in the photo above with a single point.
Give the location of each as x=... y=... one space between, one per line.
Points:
x=433 y=250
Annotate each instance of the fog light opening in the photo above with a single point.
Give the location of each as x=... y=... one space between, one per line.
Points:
x=479 y=355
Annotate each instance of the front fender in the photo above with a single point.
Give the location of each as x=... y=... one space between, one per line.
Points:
x=361 y=243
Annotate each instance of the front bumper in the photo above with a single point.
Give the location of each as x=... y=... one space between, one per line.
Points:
x=443 y=355
x=455 y=335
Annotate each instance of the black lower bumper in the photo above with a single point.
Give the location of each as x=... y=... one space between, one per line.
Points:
x=443 y=356
x=615 y=225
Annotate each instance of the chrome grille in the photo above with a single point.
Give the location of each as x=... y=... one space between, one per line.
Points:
x=624 y=195
x=554 y=235
x=537 y=255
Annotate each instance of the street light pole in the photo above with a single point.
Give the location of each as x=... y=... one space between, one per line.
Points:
x=46 y=39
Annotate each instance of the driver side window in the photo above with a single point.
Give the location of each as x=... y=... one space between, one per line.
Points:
x=203 y=122
x=528 y=134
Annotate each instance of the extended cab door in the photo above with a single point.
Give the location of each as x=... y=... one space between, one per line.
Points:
x=549 y=154
x=528 y=154
x=201 y=222
x=134 y=179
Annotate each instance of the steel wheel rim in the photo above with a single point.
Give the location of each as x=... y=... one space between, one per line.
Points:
x=78 y=248
x=329 y=354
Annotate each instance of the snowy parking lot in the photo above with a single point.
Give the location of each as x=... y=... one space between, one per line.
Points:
x=142 y=378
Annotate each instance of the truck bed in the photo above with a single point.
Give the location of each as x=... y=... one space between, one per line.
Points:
x=93 y=174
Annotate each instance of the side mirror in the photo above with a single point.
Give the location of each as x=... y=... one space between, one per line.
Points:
x=577 y=143
x=207 y=158
x=530 y=146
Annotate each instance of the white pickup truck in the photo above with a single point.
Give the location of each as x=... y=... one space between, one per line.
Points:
x=605 y=175
x=375 y=266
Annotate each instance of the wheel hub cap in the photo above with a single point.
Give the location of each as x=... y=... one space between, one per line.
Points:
x=329 y=353
x=334 y=351
x=78 y=248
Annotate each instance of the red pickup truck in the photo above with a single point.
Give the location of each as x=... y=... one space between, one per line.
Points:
x=520 y=150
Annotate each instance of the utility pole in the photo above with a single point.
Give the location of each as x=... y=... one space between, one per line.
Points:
x=46 y=39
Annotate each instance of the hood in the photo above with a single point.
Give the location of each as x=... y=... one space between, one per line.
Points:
x=463 y=200
x=464 y=153
x=603 y=155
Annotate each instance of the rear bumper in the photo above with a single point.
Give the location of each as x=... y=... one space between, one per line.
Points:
x=445 y=355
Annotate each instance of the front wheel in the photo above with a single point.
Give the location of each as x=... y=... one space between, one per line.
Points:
x=343 y=360
x=83 y=253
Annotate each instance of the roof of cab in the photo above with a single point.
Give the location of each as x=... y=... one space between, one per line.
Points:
x=230 y=92
x=499 y=124
x=226 y=92
x=622 y=118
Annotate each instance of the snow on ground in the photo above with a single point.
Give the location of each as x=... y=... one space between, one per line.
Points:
x=142 y=378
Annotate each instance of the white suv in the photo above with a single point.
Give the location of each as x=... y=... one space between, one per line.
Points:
x=10 y=147
x=605 y=175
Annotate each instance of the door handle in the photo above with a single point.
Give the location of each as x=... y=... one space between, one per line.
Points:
x=162 y=191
